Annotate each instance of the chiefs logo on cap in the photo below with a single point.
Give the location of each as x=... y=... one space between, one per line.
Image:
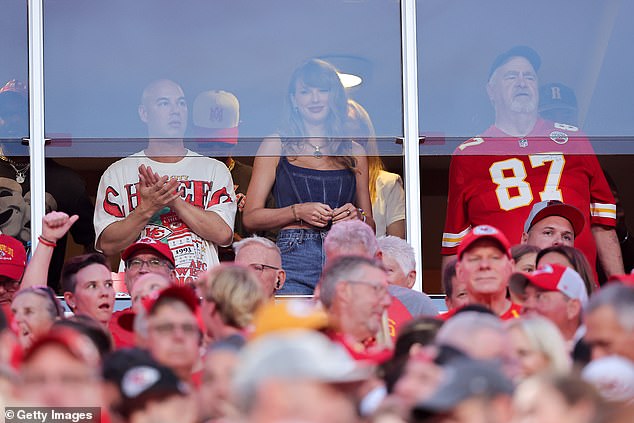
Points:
x=484 y=230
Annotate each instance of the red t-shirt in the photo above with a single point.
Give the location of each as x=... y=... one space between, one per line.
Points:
x=397 y=316
x=512 y=313
x=495 y=179
x=121 y=328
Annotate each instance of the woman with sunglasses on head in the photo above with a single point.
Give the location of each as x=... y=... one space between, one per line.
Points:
x=35 y=309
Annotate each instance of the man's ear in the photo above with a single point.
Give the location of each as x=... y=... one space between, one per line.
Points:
x=379 y=256
x=524 y=239
x=281 y=278
x=69 y=297
x=411 y=278
x=573 y=309
x=142 y=113
x=342 y=290
x=173 y=278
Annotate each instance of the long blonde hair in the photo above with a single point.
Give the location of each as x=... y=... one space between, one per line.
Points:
x=362 y=131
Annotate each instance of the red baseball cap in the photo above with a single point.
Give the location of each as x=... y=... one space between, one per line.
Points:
x=544 y=209
x=552 y=277
x=12 y=257
x=76 y=344
x=146 y=243
x=180 y=292
x=484 y=232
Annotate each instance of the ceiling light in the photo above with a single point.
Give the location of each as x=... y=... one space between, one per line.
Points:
x=349 y=80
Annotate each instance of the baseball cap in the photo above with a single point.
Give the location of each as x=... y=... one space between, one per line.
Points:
x=552 y=277
x=15 y=86
x=287 y=315
x=216 y=116
x=517 y=51
x=484 y=232
x=180 y=292
x=613 y=376
x=146 y=243
x=464 y=378
x=294 y=355
x=118 y=362
x=148 y=381
x=544 y=209
x=77 y=344
x=556 y=95
x=12 y=257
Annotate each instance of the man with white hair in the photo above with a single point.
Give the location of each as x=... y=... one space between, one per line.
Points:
x=263 y=257
x=609 y=319
x=399 y=261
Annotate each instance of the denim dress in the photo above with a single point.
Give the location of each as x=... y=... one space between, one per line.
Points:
x=302 y=249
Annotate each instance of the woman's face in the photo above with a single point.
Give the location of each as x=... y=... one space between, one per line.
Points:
x=312 y=103
x=536 y=402
x=526 y=263
x=531 y=360
x=31 y=317
x=554 y=258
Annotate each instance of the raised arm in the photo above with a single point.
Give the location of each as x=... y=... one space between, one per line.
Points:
x=54 y=226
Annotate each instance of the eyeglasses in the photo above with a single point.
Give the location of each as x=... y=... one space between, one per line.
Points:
x=378 y=288
x=188 y=329
x=259 y=267
x=137 y=264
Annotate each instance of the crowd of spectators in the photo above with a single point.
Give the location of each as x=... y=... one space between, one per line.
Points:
x=528 y=335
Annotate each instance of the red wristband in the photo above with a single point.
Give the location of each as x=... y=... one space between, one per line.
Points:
x=47 y=242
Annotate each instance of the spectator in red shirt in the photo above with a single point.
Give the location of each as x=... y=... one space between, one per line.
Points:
x=485 y=265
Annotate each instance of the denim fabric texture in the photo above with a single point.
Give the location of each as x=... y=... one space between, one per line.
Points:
x=302 y=258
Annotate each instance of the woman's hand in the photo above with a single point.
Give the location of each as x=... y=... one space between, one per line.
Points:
x=346 y=212
x=315 y=214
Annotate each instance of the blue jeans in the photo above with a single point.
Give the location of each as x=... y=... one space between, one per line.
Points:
x=302 y=258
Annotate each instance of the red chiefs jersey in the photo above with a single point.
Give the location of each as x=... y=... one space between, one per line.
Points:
x=495 y=179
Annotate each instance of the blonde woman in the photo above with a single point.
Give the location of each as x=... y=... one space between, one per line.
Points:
x=231 y=295
x=539 y=346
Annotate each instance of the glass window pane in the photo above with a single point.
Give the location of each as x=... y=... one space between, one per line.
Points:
x=14 y=116
x=100 y=56
x=576 y=79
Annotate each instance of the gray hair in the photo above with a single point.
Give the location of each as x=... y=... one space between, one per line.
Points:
x=400 y=250
x=463 y=330
x=341 y=269
x=620 y=298
x=54 y=307
x=256 y=240
x=351 y=234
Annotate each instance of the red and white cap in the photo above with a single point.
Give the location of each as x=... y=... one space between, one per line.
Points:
x=484 y=232
x=216 y=116
x=146 y=243
x=544 y=209
x=552 y=277
x=12 y=257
